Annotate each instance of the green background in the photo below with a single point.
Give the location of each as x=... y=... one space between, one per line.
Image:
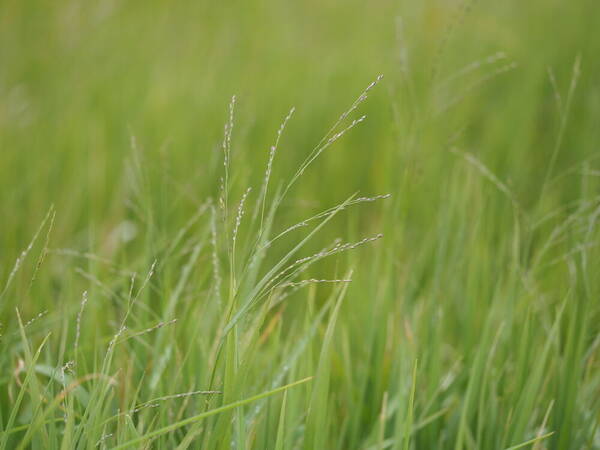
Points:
x=485 y=130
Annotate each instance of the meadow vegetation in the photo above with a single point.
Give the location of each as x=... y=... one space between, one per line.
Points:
x=222 y=227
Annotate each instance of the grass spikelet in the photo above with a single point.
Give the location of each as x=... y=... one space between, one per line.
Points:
x=23 y=255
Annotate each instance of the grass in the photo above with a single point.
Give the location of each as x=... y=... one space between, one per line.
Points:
x=334 y=260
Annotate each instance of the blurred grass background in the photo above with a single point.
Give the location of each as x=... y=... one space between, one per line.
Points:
x=485 y=230
x=78 y=80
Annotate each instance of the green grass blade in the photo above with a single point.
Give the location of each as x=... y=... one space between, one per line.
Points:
x=198 y=417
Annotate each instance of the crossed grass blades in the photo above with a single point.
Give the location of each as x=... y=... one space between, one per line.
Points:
x=97 y=402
